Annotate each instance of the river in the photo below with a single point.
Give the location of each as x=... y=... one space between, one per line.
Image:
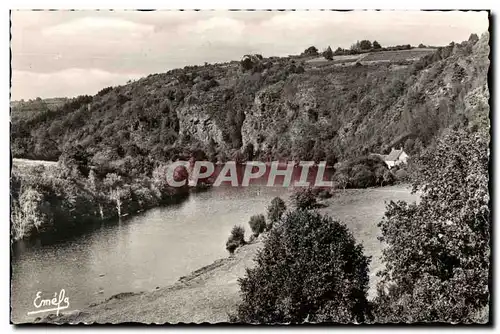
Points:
x=151 y=249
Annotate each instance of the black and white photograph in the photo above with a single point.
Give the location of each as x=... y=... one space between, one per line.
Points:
x=250 y=167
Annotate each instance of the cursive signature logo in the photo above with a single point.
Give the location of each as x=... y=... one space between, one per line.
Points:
x=56 y=303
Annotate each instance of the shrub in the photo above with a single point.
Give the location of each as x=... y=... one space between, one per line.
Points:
x=304 y=198
x=310 y=269
x=324 y=194
x=311 y=51
x=238 y=234
x=236 y=239
x=104 y=91
x=362 y=172
x=257 y=224
x=275 y=211
x=328 y=54
x=401 y=175
x=437 y=254
x=365 y=44
x=362 y=178
x=231 y=245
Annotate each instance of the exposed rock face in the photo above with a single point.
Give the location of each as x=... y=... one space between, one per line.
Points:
x=196 y=123
x=343 y=106
x=289 y=109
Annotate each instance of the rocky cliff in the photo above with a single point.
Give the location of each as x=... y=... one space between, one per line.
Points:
x=287 y=108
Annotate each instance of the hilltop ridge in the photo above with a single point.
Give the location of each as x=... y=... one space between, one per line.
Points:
x=276 y=108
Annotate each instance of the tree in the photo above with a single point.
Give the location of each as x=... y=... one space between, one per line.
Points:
x=248 y=152
x=75 y=157
x=473 y=38
x=275 y=211
x=309 y=270
x=362 y=177
x=376 y=45
x=117 y=190
x=421 y=46
x=342 y=179
x=236 y=238
x=339 y=51
x=30 y=211
x=379 y=174
x=257 y=224
x=95 y=187
x=304 y=198
x=437 y=254
x=387 y=177
x=365 y=44
x=356 y=47
x=328 y=53
x=311 y=51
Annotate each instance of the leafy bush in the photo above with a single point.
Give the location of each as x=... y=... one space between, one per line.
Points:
x=104 y=91
x=257 y=224
x=309 y=270
x=401 y=175
x=310 y=51
x=362 y=177
x=275 y=211
x=324 y=194
x=365 y=44
x=231 y=245
x=328 y=53
x=363 y=172
x=437 y=254
x=236 y=238
x=374 y=106
x=304 y=198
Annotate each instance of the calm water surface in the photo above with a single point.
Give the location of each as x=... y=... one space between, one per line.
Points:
x=151 y=249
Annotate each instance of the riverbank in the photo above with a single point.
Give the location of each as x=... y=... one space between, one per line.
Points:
x=212 y=292
x=53 y=202
x=208 y=294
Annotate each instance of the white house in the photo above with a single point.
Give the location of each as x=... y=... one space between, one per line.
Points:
x=395 y=158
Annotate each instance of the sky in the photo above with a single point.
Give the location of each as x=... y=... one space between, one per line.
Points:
x=69 y=53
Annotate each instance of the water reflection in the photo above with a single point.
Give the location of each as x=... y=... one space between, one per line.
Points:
x=153 y=248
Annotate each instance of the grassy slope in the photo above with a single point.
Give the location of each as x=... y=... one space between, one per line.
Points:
x=361 y=210
x=209 y=294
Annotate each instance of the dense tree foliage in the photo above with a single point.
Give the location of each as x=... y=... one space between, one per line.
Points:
x=303 y=198
x=236 y=239
x=311 y=51
x=257 y=224
x=60 y=200
x=363 y=172
x=129 y=130
x=437 y=255
x=328 y=53
x=365 y=44
x=309 y=270
x=275 y=211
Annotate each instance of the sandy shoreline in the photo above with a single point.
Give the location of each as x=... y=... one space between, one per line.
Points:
x=208 y=294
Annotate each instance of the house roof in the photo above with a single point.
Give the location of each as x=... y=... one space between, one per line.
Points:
x=394 y=155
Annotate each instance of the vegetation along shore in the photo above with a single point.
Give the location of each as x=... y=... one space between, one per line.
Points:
x=353 y=253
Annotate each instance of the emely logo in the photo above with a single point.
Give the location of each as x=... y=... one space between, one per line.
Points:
x=56 y=303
